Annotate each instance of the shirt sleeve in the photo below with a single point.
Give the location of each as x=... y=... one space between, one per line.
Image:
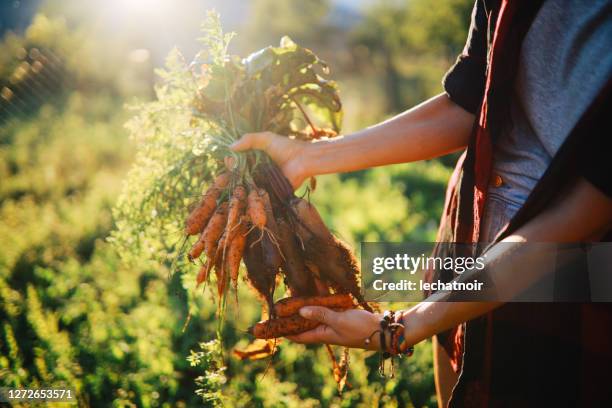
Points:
x=464 y=82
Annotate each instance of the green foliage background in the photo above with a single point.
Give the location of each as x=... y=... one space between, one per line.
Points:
x=72 y=312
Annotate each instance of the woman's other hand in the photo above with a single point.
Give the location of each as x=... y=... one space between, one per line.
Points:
x=349 y=328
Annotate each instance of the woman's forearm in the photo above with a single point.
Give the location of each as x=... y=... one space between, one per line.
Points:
x=581 y=213
x=432 y=317
x=434 y=128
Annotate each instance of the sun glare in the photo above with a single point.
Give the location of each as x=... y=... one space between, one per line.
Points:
x=142 y=5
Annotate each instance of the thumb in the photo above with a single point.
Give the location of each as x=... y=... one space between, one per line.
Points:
x=320 y=314
x=259 y=140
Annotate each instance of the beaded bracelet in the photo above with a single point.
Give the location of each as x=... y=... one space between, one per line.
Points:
x=397 y=344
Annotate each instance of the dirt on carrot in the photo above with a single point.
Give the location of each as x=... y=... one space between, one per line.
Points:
x=198 y=218
x=255 y=208
x=211 y=234
x=281 y=327
x=236 y=207
x=291 y=305
x=235 y=250
x=262 y=263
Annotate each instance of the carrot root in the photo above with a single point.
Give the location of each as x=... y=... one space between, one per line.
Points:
x=291 y=305
x=281 y=327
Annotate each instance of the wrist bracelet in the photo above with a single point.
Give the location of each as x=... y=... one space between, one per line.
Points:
x=399 y=344
x=392 y=325
x=384 y=326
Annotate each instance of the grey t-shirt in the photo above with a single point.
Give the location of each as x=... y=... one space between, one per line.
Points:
x=566 y=58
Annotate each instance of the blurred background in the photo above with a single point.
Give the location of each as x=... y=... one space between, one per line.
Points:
x=70 y=311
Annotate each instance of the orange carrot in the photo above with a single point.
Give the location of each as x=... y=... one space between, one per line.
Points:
x=291 y=305
x=198 y=218
x=220 y=273
x=197 y=247
x=282 y=326
x=202 y=274
x=219 y=259
x=257 y=350
x=222 y=180
x=236 y=207
x=235 y=250
x=211 y=234
x=256 y=209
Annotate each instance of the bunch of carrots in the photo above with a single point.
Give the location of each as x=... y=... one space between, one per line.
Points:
x=248 y=213
x=277 y=235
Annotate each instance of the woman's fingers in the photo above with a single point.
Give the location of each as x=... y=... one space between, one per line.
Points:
x=286 y=152
x=320 y=314
x=323 y=333
x=259 y=141
x=320 y=334
x=348 y=328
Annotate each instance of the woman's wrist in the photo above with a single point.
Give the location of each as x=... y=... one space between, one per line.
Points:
x=373 y=341
x=410 y=320
x=305 y=165
x=389 y=327
x=309 y=162
x=322 y=157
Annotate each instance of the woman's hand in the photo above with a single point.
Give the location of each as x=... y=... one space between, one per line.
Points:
x=349 y=328
x=287 y=153
x=433 y=128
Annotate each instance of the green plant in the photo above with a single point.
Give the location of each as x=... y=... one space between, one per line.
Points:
x=200 y=109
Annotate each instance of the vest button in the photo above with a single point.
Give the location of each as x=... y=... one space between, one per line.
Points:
x=497 y=181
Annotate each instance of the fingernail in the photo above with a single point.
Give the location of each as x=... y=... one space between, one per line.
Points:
x=306 y=312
